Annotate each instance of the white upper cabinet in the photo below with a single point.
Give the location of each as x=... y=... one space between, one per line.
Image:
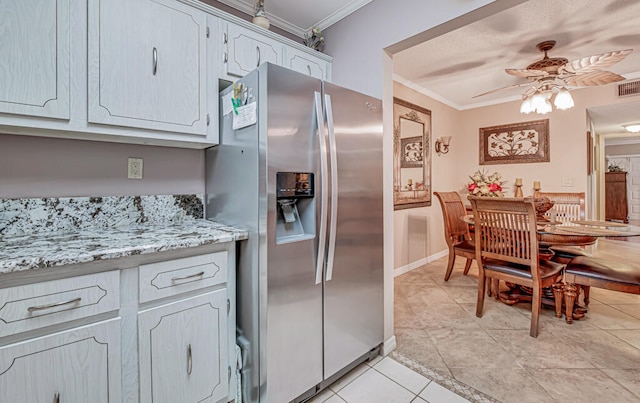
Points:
x=247 y=50
x=147 y=65
x=306 y=64
x=34 y=58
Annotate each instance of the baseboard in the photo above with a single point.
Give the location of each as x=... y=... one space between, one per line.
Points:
x=389 y=345
x=414 y=265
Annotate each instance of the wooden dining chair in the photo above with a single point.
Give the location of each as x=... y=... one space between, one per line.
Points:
x=568 y=206
x=456 y=231
x=506 y=242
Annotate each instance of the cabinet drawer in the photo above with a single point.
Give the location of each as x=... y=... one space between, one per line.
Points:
x=48 y=303
x=163 y=279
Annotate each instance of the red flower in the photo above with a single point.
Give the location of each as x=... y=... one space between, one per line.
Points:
x=494 y=187
x=472 y=187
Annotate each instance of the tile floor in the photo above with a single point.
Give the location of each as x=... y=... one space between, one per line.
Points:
x=385 y=380
x=596 y=359
x=444 y=348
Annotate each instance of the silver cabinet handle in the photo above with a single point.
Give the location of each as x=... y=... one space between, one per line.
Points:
x=309 y=68
x=226 y=58
x=258 y=50
x=187 y=277
x=225 y=38
x=155 y=61
x=56 y=398
x=189 y=359
x=42 y=307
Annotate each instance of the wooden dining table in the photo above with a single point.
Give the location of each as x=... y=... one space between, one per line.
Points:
x=570 y=233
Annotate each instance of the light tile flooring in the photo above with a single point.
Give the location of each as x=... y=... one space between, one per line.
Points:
x=385 y=380
x=596 y=359
x=443 y=347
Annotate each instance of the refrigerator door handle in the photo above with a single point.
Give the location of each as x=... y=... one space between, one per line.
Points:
x=322 y=237
x=333 y=218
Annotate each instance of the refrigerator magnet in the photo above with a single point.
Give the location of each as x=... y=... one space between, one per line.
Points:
x=246 y=116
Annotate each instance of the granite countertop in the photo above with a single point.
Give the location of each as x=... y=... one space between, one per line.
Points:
x=25 y=252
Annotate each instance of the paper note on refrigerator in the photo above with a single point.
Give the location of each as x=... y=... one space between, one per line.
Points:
x=246 y=116
x=227 y=105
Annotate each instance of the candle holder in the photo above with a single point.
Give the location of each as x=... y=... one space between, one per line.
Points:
x=518 y=191
x=536 y=189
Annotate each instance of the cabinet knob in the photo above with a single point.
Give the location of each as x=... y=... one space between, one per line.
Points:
x=258 y=50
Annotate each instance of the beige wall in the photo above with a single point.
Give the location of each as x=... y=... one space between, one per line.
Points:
x=418 y=232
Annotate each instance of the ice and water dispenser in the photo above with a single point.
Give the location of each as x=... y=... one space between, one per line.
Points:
x=296 y=207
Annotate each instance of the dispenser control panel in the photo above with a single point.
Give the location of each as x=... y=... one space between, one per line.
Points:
x=294 y=185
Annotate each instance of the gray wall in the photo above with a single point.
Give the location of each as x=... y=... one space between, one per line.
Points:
x=357 y=41
x=49 y=167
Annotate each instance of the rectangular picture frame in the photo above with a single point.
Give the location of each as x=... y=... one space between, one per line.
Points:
x=515 y=143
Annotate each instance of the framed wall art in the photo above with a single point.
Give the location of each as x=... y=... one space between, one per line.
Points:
x=411 y=156
x=515 y=143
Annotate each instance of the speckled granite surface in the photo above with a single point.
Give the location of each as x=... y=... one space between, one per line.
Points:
x=47 y=233
x=29 y=216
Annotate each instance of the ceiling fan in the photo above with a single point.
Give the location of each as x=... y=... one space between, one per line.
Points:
x=558 y=74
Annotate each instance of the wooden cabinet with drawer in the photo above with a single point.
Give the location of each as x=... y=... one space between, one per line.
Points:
x=177 y=276
x=34 y=306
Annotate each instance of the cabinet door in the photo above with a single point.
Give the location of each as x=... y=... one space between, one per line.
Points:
x=34 y=58
x=75 y=366
x=248 y=50
x=147 y=65
x=306 y=64
x=183 y=350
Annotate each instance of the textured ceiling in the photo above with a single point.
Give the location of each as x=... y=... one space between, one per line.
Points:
x=470 y=61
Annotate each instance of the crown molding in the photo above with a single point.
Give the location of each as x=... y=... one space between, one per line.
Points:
x=339 y=14
x=295 y=29
x=448 y=102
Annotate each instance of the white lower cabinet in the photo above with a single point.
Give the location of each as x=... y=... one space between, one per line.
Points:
x=75 y=366
x=183 y=350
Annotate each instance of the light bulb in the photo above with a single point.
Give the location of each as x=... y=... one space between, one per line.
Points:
x=563 y=100
x=544 y=107
x=527 y=106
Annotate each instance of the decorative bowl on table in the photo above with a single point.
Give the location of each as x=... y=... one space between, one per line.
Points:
x=542 y=205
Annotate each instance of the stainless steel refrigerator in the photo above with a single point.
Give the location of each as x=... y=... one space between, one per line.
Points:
x=299 y=166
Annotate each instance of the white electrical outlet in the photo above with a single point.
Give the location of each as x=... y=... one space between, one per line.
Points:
x=568 y=182
x=134 y=168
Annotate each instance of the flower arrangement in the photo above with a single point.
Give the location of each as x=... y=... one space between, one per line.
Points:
x=483 y=184
x=315 y=40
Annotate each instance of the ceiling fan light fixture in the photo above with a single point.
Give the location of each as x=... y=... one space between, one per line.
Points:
x=632 y=127
x=540 y=103
x=544 y=107
x=527 y=106
x=563 y=100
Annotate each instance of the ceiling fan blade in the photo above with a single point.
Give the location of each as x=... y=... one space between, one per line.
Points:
x=595 y=62
x=591 y=78
x=502 y=89
x=526 y=73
